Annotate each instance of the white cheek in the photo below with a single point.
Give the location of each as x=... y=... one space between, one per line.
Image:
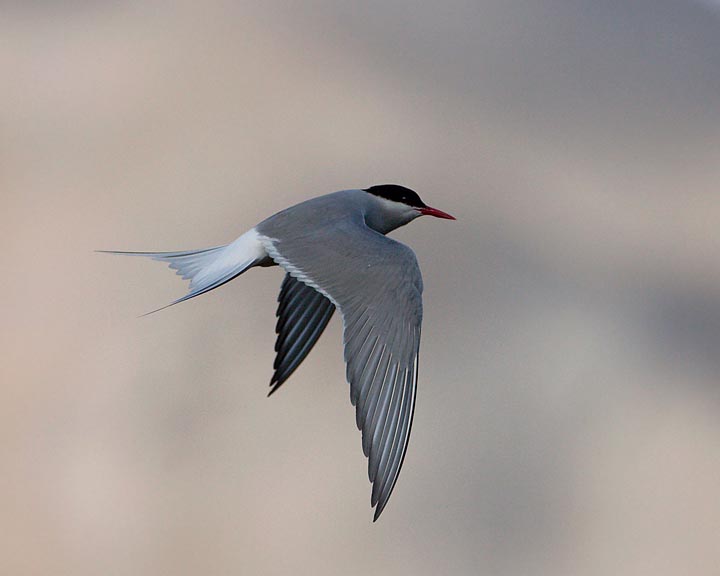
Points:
x=387 y=215
x=396 y=208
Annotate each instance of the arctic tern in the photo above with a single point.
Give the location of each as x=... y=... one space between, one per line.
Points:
x=336 y=255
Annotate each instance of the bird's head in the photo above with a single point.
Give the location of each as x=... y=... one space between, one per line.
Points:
x=398 y=205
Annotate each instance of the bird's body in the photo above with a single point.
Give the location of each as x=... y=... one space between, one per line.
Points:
x=335 y=254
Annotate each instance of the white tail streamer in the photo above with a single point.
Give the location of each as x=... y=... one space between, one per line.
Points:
x=209 y=268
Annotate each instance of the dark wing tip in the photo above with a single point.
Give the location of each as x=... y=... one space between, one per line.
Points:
x=378 y=510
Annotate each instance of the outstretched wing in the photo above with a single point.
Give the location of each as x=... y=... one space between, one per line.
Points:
x=376 y=284
x=303 y=313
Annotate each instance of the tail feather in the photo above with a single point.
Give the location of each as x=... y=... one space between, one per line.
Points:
x=207 y=268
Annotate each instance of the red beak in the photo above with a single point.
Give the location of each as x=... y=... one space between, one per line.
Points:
x=427 y=211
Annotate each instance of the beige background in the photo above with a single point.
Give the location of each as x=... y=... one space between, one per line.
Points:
x=568 y=418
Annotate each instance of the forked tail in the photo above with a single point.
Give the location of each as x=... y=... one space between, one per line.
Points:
x=208 y=268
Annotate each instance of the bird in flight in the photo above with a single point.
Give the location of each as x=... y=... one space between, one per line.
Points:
x=336 y=255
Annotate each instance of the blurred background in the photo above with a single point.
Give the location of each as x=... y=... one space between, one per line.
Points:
x=567 y=418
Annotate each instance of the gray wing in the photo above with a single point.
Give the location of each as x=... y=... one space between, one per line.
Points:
x=303 y=313
x=376 y=284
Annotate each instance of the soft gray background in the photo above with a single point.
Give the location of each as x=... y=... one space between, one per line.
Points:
x=568 y=418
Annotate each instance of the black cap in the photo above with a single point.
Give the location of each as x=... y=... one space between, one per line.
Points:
x=397 y=194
